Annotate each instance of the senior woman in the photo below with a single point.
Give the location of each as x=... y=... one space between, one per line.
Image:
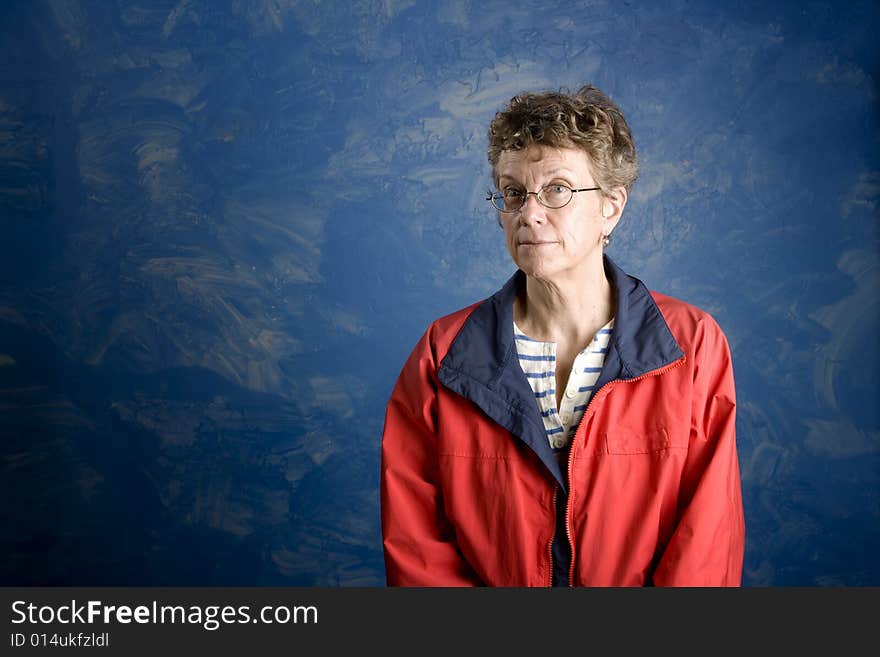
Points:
x=575 y=428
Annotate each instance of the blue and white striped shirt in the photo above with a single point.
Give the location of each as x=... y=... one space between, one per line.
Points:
x=538 y=361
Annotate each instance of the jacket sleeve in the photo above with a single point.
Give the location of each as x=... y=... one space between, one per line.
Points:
x=418 y=539
x=707 y=545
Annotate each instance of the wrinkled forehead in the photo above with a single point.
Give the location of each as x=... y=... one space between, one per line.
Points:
x=540 y=159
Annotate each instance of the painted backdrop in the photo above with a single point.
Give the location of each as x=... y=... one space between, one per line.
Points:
x=224 y=225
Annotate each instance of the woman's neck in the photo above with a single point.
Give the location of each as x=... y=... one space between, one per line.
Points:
x=565 y=310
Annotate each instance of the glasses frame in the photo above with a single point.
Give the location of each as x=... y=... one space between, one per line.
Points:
x=493 y=196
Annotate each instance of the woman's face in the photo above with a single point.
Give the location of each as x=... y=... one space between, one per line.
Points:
x=556 y=244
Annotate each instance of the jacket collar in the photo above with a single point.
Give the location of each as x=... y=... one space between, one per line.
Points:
x=482 y=363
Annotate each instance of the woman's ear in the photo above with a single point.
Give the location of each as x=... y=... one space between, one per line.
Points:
x=612 y=208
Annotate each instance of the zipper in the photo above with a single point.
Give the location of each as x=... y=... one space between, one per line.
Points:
x=571 y=494
x=550 y=543
x=605 y=388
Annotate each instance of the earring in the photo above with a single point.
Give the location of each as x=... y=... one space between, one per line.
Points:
x=606 y=239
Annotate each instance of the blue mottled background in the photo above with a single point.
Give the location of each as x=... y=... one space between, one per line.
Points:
x=225 y=223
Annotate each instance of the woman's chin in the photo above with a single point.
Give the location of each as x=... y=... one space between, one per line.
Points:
x=540 y=270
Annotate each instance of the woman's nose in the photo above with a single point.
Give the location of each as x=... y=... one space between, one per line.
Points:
x=532 y=211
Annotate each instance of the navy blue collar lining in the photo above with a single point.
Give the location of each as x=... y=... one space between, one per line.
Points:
x=482 y=363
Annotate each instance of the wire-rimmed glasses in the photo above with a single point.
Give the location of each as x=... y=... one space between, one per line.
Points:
x=553 y=196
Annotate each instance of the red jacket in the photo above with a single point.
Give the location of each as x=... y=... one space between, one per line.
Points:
x=472 y=494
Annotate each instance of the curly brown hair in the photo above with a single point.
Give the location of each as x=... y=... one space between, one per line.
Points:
x=587 y=119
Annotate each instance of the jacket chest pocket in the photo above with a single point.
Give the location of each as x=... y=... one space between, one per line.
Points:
x=624 y=440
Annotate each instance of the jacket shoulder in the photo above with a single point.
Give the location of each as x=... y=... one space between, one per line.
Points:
x=442 y=331
x=686 y=321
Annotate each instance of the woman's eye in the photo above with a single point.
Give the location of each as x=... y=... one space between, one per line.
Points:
x=512 y=193
x=557 y=189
